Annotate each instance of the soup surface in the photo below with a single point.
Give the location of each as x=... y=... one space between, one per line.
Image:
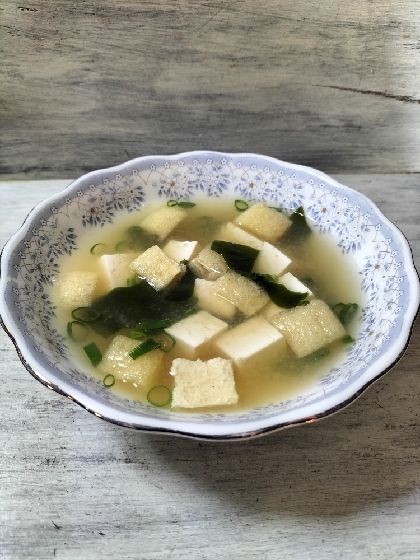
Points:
x=315 y=260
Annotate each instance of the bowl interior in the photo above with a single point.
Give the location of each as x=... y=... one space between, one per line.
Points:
x=31 y=259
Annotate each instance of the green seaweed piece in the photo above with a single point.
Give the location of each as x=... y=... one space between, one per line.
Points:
x=124 y=308
x=183 y=289
x=239 y=258
x=279 y=294
x=139 y=239
x=345 y=311
x=299 y=230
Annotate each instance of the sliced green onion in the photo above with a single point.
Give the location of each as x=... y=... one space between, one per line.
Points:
x=184 y=261
x=98 y=249
x=304 y=302
x=146 y=346
x=167 y=341
x=109 y=380
x=93 y=353
x=148 y=326
x=185 y=204
x=239 y=258
x=276 y=209
x=241 y=205
x=172 y=203
x=347 y=339
x=345 y=311
x=77 y=331
x=159 y=395
x=85 y=314
x=137 y=335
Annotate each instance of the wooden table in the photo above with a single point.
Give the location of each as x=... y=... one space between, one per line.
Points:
x=73 y=486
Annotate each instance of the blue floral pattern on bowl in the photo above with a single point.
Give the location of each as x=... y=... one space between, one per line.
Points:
x=31 y=259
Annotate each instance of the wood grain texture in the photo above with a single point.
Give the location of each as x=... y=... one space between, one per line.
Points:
x=88 y=84
x=73 y=486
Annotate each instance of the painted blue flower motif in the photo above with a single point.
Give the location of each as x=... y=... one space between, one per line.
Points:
x=98 y=211
x=289 y=194
x=175 y=184
x=255 y=187
x=128 y=197
x=210 y=179
x=352 y=239
x=63 y=242
x=56 y=342
x=323 y=214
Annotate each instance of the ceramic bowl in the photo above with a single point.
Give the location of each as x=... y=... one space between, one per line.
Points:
x=31 y=259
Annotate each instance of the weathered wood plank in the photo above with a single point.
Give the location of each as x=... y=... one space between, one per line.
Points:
x=73 y=486
x=89 y=84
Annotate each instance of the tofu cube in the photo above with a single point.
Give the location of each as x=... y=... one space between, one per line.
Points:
x=194 y=333
x=199 y=384
x=211 y=302
x=251 y=344
x=242 y=292
x=114 y=270
x=182 y=250
x=234 y=234
x=156 y=268
x=76 y=289
x=161 y=222
x=295 y=285
x=270 y=310
x=267 y=224
x=140 y=372
x=208 y=265
x=271 y=260
x=308 y=328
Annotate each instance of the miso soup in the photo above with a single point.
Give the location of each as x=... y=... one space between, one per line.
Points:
x=207 y=291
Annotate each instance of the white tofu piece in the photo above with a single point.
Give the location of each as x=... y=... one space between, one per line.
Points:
x=182 y=250
x=270 y=310
x=156 y=268
x=194 y=333
x=234 y=234
x=295 y=285
x=242 y=292
x=208 y=265
x=140 y=372
x=161 y=222
x=76 y=289
x=270 y=260
x=199 y=384
x=251 y=344
x=308 y=328
x=211 y=302
x=267 y=224
x=114 y=270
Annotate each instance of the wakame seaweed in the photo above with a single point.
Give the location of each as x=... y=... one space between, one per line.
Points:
x=239 y=258
x=279 y=294
x=184 y=289
x=124 y=308
x=299 y=229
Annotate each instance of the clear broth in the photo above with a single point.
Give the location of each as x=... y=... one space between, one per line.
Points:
x=335 y=279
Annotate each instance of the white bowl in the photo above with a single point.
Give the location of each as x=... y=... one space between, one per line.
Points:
x=387 y=276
